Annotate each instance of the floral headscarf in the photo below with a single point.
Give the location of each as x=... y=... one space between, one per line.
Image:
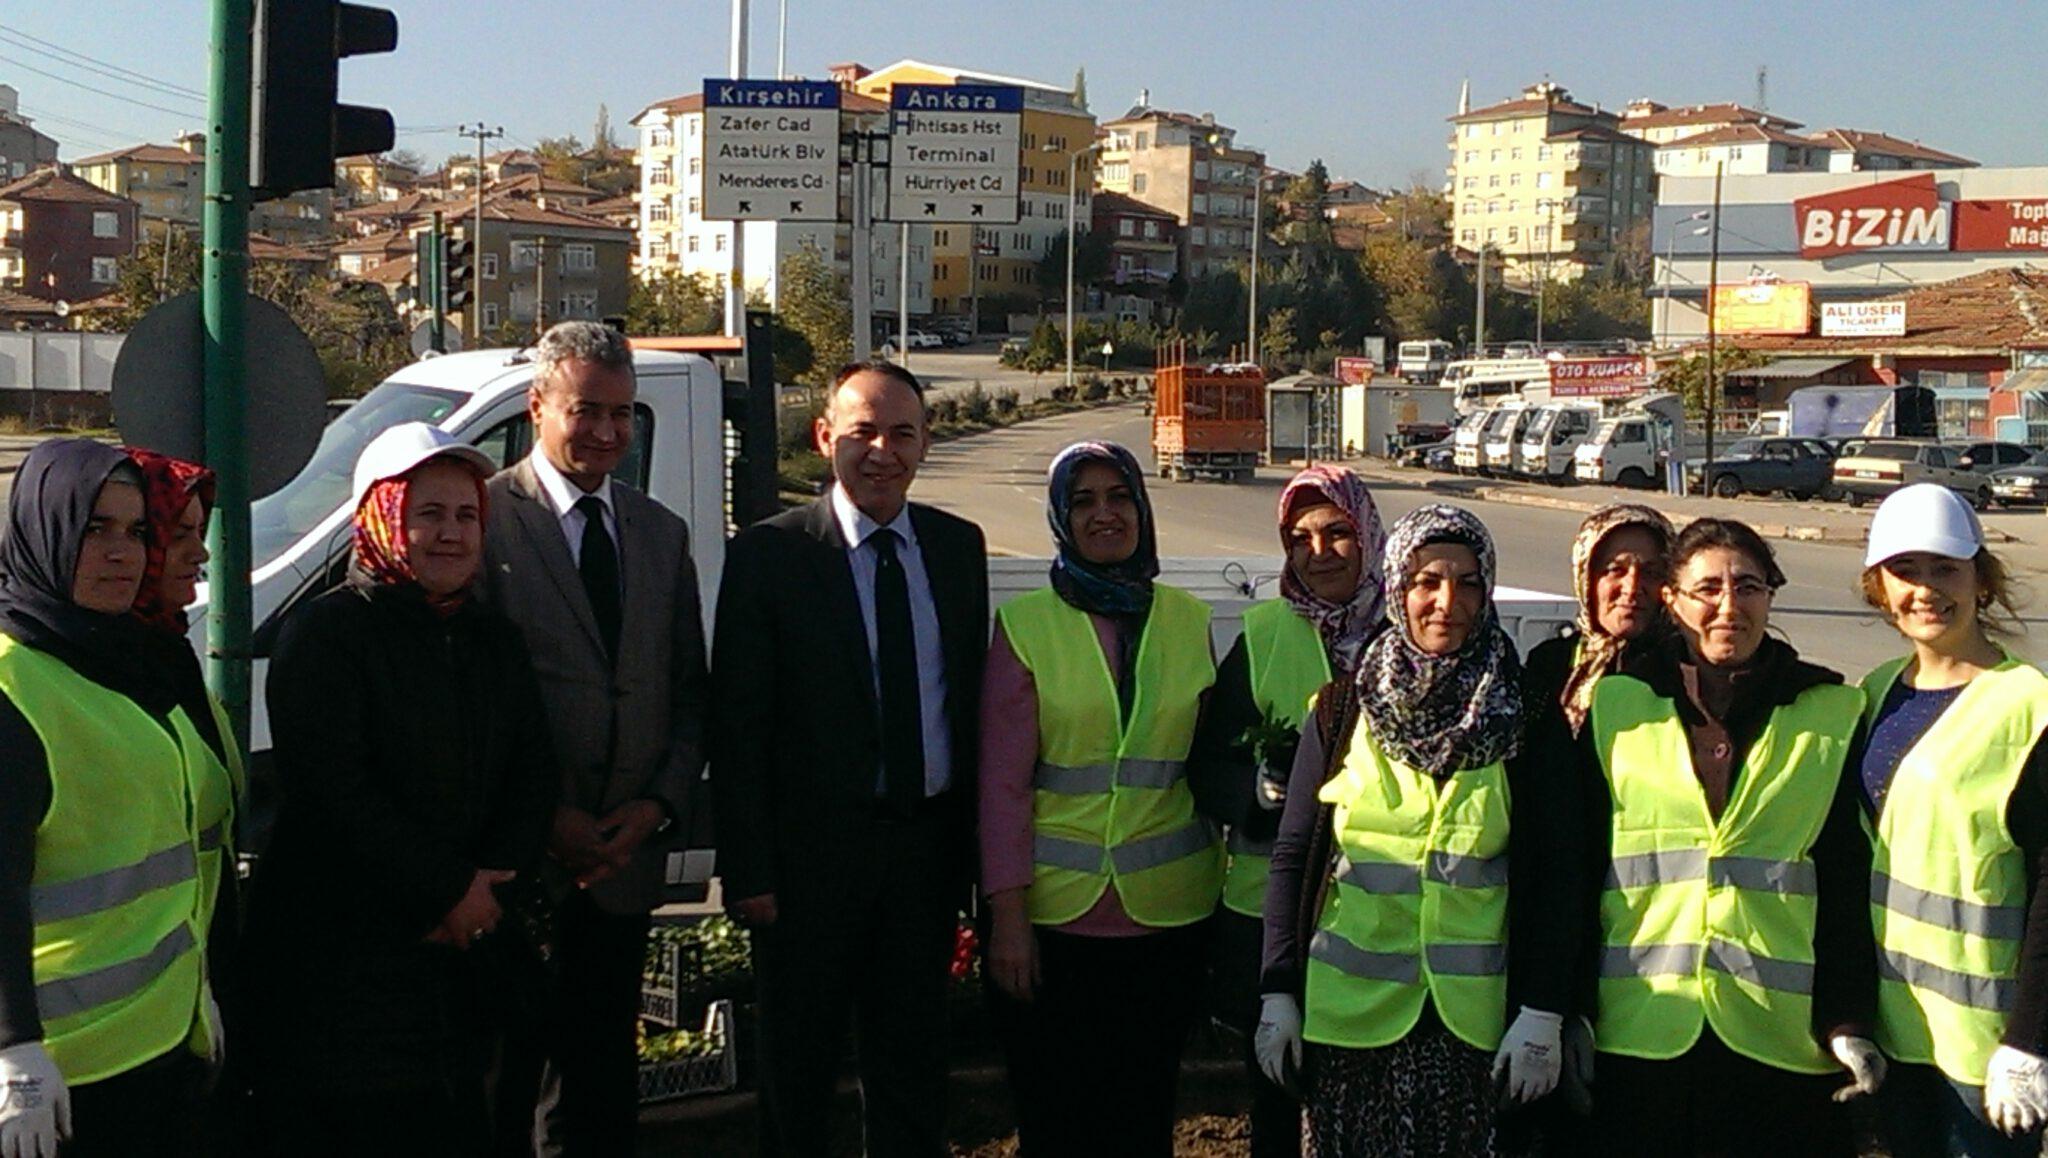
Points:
x=1441 y=713
x=168 y=486
x=1104 y=589
x=381 y=555
x=1599 y=652
x=1344 y=627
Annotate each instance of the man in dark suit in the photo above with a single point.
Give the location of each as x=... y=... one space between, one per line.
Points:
x=849 y=644
x=599 y=578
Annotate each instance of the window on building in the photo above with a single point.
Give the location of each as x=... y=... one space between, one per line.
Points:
x=1201 y=170
x=1471 y=131
x=1152 y=229
x=661 y=175
x=1496 y=128
x=1543 y=152
x=1125 y=227
x=487 y=265
x=1471 y=182
x=1200 y=203
x=1493 y=180
x=694 y=206
x=718 y=243
x=657 y=249
x=1494 y=156
x=1468 y=236
x=696 y=166
x=105 y=224
x=1540 y=233
x=522 y=253
x=1493 y=235
x=1143 y=141
x=579 y=257
x=1513 y=207
x=691 y=124
x=1493 y=207
x=657 y=211
x=1138 y=181
x=1514 y=178
x=1199 y=235
x=105 y=270
x=1471 y=156
x=690 y=243
x=1514 y=233
x=1543 y=180
x=1471 y=205
x=660 y=137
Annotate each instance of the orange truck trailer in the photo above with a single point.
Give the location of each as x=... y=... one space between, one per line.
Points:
x=1208 y=421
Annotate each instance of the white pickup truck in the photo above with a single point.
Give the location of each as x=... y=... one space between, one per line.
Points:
x=302 y=536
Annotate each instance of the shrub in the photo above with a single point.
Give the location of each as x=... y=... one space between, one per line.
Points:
x=1006 y=402
x=944 y=411
x=976 y=406
x=1093 y=388
x=1063 y=393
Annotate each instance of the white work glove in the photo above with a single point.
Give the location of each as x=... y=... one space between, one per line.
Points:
x=2016 y=1090
x=1866 y=1065
x=215 y=1033
x=1277 y=1041
x=1531 y=1055
x=1271 y=790
x=1577 y=1078
x=35 y=1105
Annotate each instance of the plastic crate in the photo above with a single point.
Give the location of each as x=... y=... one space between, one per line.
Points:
x=661 y=986
x=711 y=1074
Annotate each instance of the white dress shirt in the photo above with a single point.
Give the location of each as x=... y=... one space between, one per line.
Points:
x=562 y=497
x=856 y=528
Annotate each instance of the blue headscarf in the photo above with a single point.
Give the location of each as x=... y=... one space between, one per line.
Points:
x=1104 y=589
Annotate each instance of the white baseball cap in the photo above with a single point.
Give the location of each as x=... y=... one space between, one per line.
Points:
x=407 y=445
x=1923 y=517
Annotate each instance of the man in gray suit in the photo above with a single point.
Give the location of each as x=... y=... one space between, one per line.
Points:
x=599 y=578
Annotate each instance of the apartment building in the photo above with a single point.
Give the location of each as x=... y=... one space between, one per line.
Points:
x=1547 y=184
x=61 y=238
x=1144 y=255
x=1192 y=167
x=23 y=147
x=169 y=183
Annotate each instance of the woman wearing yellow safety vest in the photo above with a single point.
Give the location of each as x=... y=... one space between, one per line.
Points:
x=1954 y=775
x=1100 y=874
x=1387 y=917
x=1329 y=606
x=105 y=1016
x=1735 y=968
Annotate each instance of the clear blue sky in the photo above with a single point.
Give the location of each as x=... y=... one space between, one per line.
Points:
x=1364 y=86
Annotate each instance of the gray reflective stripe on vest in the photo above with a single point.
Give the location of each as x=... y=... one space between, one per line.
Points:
x=1468 y=872
x=1762 y=875
x=1059 y=852
x=1996 y=994
x=1242 y=845
x=1153 y=851
x=1649 y=960
x=2002 y=922
x=1342 y=955
x=1675 y=866
x=72 y=995
x=213 y=837
x=1091 y=779
x=1378 y=876
x=1657 y=868
x=1467 y=960
x=1769 y=972
x=99 y=892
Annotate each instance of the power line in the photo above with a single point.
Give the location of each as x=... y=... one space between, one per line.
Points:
x=102 y=66
x=88 y=126
x=100 y=91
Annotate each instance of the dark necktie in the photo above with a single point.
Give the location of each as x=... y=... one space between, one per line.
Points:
x=896 y=662
x=598 y=560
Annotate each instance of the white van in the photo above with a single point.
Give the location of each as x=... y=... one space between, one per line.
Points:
x=1465 y=436
x=1632 y=448
x=1476 y=384
x=1554 y=435
x=1504 y=435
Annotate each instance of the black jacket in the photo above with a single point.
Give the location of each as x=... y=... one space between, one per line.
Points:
x=410 y=752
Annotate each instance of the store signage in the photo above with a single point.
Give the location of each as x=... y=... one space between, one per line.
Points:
x=2014 y=223
x=1768 y=307
x=1354 y=371
x=1863 y=319
x=771 y=150
x=1599 y=377
x=1907 y=215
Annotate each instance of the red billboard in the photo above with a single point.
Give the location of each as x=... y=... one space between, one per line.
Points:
x=1599 y=377
x=2009 y=224
x=1354 y=371
x=1907 y=214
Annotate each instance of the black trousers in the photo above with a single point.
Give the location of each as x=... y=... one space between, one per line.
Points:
x=872 y=948
x=440 y=1121
x=1235 y=998
x=1925 y=1114
x=151 y=1111
x=1095 y=1055
x=1711 y=1102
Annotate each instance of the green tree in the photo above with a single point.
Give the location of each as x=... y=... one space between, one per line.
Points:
x=1278 y=340
x=817 y=306
x=1091 y=266
x=1687 y=376
x=673 y=302
x=1048 y=348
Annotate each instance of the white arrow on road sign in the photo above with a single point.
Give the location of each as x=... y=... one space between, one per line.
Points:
x=954 y=152
x=765 y=140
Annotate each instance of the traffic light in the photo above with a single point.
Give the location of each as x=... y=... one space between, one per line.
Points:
x=297 y=127
x=458 y=273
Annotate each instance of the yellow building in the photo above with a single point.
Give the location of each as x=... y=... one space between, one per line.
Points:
x=169 y=182
x=1547 y=184
x=1055 y=126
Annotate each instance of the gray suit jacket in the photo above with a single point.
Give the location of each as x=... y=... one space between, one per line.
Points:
x=621 y=732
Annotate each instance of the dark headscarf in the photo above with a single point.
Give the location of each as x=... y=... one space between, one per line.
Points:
x=1116 y=589
x=47 y=517
x=1441 y=713
x=1344 y=627
x=168 y=486
x=1599 y=652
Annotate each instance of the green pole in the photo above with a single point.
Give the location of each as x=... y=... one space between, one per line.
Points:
x=224 y=289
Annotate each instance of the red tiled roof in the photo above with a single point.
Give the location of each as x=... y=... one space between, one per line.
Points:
x=161 y=154
x=263 y=248
x=394 y=272
x=1525 y=106
x=520 y=211
x=1990 y=312
x=57 y=185
x=1742 y=134
x=623 y=203
x=539 y=183
x=1725 y=113
x=1598 y=133
x=1107 y=202
x=1883 y=145
x=375 y=243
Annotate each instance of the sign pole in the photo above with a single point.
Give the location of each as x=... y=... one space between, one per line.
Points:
x=863 y=243
x=1713 y=293
x=224 y=289
x=903 y=294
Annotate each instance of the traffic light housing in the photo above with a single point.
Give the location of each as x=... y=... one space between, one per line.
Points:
x=458 y=272
x=297 y=127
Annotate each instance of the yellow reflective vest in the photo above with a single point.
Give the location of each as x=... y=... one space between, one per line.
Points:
x=1710 y=922
x=1948 y=886
x=1419 y=906
x=1111 y=805
x=119 y=928
x=1287 y=666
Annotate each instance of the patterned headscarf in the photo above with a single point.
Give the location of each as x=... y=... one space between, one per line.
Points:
x=1345 y=626
x=168 y=486
x=1104 y=589
x=382 y=557
x=1598 y=651
x=1441 y=713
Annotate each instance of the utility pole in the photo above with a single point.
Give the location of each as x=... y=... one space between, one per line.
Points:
x=224 y=296
x=482 y=134
x=736 y=279
x=1713 y=325
x=1258 y=171
x=1479 y=322
x=973 y=282
x=540 y=286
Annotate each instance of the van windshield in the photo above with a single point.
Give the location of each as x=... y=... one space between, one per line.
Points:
x=1540 y=426
x=283 y=518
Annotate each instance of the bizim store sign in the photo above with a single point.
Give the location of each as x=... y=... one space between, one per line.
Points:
x=1911 y=216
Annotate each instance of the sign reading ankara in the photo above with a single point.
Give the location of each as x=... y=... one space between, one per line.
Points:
x=771 y=150
x=954 y=153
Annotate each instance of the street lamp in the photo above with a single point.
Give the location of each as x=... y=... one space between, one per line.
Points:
x=1670 y=245
x=1073 y=170
x=1257 y=169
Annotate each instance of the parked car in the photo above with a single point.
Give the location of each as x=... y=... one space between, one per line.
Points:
x=1800 y=467
x=1014 y=347
x=916 y=340
x=2025 y=484
x=1883 y=465
x=1428 y=455
x=1990 y=456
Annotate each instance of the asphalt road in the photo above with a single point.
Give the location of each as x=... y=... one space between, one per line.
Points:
x=998 y=480
x=959 y=368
